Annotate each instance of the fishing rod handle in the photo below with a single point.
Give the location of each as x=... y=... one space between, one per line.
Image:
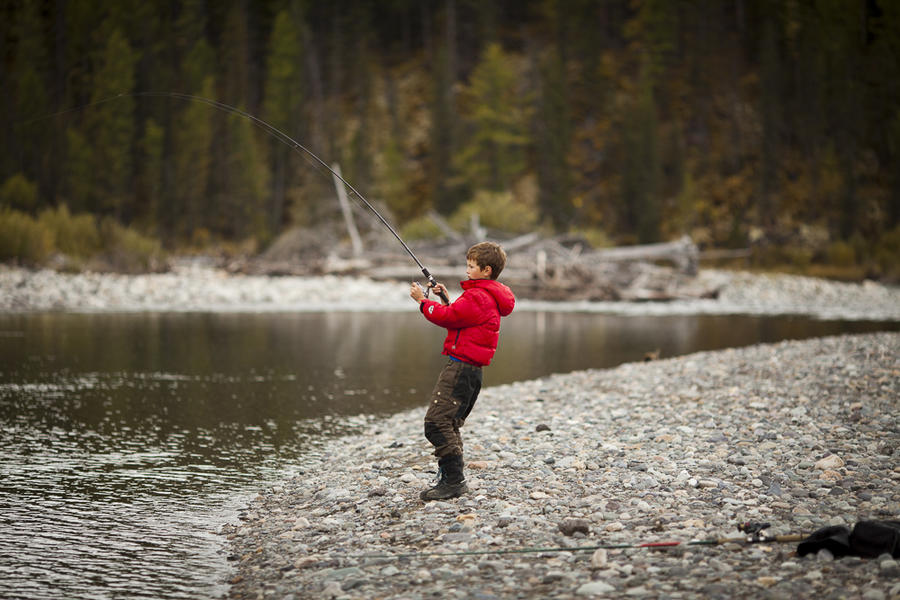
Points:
x=432 y=283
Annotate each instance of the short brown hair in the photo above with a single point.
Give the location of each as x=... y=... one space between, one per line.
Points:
x=488 y=254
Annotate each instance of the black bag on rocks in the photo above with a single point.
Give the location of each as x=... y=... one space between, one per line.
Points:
x=874 y=538
x=868 y=539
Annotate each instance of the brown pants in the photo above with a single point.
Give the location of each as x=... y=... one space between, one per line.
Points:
x=451 y=402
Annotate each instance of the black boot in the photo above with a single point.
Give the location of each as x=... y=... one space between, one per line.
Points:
x=452 y=483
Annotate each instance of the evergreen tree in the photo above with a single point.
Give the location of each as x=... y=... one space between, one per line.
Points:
x=283 y=106
x=641 y=171
x=443 y=135
x=553 y=138
x=192 y=140
x=150 y=174
x=234 y=57
x=185 y=207
x=770 y=116
x=28 y=80
x=240 y=201
x=78 y=172
x=110 y=126
x=494 y=154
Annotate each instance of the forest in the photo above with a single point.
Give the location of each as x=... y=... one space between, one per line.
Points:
x=769 y=125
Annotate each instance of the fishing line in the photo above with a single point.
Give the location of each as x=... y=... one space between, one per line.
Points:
x=280 y=136
x=73 y=109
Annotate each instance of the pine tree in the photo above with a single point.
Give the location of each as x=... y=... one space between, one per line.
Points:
x=641 y=172
x=78 y=172
x=27 y=81
x=241 y=200
x=553 y=138
x=770 y=115
x=494 y=154
x=443 y=134
x=283 y=107
x=150 y=174
x=110 y=126
x=185 y=209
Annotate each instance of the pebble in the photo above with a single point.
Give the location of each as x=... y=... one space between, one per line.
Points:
x=889 y=567
x=595 y=588
x=348 y=543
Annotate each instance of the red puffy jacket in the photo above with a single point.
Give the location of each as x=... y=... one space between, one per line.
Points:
x=473 y=320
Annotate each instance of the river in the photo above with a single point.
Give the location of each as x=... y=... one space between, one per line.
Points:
x=127 y=440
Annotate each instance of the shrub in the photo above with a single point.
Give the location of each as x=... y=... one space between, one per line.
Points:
x=887 y=254
x=840 y=254
x=421 y=228
x=496 y=210
x=127 y=250
x=18 y=192
x=23 y=238
x=595 y=236
x=75 y=235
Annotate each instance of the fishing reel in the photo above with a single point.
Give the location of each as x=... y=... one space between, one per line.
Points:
x=755 y=530
x=432 y=283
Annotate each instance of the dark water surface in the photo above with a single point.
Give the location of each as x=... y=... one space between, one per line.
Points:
x=126 y=440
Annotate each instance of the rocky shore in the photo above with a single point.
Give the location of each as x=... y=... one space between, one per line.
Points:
x=194 y=286
x=798 y=434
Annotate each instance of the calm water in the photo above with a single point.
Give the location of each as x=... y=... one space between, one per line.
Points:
x=126 y=440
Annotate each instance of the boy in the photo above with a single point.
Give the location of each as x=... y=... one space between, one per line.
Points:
x=473 y=330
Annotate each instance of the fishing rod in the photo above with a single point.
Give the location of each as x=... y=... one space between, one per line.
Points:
x=285 y=139
x=754 y=534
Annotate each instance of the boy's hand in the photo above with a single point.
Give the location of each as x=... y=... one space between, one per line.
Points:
x=441 y=291
x=415 y=292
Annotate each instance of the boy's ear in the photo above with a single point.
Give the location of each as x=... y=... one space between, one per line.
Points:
x=488 y=269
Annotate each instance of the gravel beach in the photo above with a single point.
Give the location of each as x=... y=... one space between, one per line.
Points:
x=798 y=434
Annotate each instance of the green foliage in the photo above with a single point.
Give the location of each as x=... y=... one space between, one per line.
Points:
x=887 y=254
x=78 y=173
x=192 y=160
x=496 y=210
x=641 y=173
x=553 y=139
x=421 y=228
x=111 y=128
x=17 y=192
x=31 y=241
x=22 y=238
x=127 y=250
x=283 y=107
x=595 y=237
x=74 y=235
x=841 y=254
x=150 y=173
x=393 y=178
x=240 y=203
x=493 y=156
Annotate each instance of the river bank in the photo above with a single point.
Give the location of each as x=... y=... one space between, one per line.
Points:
x=799 y=434
x=199 y=288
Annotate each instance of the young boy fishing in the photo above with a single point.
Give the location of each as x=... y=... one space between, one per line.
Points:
x=473 y=330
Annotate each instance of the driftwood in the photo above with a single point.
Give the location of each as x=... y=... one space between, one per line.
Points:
x=567 y=268
x=558 y=268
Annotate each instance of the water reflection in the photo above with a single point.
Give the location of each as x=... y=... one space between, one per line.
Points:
x=125 y=440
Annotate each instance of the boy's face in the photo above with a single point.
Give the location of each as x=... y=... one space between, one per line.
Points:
x=473 y=271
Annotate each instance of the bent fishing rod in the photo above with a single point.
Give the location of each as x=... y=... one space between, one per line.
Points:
x=283 y=138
